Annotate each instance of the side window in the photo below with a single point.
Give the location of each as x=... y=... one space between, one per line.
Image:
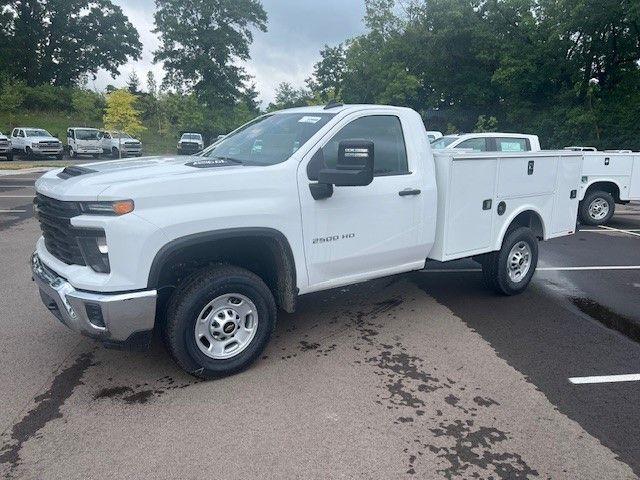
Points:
x=70 y=133
x=512 y=145
x=476 y=144
x=21 y=133
x=385 y=131
x=14 y=133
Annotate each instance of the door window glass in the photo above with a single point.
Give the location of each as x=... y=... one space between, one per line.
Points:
x=475 y=144
x=385 y=131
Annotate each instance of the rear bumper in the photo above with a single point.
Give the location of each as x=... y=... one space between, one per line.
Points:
x=122 y=320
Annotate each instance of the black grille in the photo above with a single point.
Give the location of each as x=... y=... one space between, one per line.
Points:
x=59 y=236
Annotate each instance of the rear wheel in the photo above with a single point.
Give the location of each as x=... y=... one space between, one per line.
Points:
x=509 y=270
x=28 y=153
x=115 y=153
x=597 y=208
x=219 y=321
x=72 y=153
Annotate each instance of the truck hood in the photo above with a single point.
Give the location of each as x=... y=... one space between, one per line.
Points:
x=43 y=139
x=88 y=181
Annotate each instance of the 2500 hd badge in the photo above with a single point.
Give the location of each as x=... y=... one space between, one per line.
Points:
x=333 y=238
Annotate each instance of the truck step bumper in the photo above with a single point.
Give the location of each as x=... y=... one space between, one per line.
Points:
x=120 y=320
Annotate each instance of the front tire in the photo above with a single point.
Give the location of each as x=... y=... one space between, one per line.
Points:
x=115 y=153
x=28 y=154
x=219 y=321
x=509 y=270
x=597 y=208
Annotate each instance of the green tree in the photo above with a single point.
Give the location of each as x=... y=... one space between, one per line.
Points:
x=12 y=95
x=58 y=41
x=288 y=97
x=133 y=83
x=85 y=104
x=201 y=43
x=486 y=124
x=121 y=114
x=327 y=79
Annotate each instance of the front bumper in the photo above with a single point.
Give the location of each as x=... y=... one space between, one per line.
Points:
x=89 y=150
x=117 y=320
x=47 y=151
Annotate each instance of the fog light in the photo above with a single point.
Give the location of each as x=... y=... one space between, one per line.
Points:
x=94 y=314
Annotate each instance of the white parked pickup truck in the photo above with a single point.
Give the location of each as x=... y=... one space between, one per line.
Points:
x=190 y=143
x=489 y=142
x=35 y=142
x=5 y=147
x=84 y=141
x=607 y=178
x=120 y=144
x=207 y=248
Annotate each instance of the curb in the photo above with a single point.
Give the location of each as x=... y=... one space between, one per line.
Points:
x=9 y=173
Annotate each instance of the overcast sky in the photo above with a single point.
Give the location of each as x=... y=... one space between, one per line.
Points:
x=297 y=30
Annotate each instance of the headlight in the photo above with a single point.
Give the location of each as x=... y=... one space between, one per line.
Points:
x=120 y=207
x=95 y=252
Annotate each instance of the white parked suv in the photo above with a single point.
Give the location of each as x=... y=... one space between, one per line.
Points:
x=119 y=144
x=35 y=142
x=294 y=202
x=190 y=143
x=84 y=141
x=489 y=142
x=5 y=147
x=433 y=135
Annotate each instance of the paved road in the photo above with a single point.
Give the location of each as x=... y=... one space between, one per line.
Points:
x=425 y=375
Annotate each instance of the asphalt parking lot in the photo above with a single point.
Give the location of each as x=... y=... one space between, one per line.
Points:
x=425 y=375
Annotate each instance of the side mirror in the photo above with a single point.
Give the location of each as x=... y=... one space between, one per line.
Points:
x=354 y=167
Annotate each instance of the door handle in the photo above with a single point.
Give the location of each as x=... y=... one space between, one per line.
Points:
x=409 y=191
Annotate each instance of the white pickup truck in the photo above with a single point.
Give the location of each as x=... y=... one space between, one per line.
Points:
x=207 y=248
x=5 y=147
x=489 y=142
x=608 y=178
x=35 y=142
x=120 y=144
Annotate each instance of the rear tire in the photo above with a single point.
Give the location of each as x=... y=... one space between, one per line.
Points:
x=190 y=329
x=597 y=208
x=115 y=153
x=28 y=153
x=509 y=270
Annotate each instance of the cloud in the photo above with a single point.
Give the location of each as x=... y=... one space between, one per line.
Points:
x=297 y=30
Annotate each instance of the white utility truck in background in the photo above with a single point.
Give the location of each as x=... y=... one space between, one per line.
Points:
x=207 y=248
x=84 y=141
x=489 y=142
x=35 y=142
x=190 y=143
x=608 y=178
x=5 y=147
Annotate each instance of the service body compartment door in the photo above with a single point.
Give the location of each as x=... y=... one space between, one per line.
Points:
x=565 y=204
x=523 y=176
x=469 y=213
x=634 y=187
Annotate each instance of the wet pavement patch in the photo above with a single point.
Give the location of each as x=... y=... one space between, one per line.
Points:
x=47 y=409
x=607 y=317
x=141 y=393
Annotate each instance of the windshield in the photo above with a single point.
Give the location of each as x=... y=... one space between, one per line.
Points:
x=121 y=135
x=443 y=142
x=37 y=132
x=191 y=136
x=269 y=139
x=87 y=134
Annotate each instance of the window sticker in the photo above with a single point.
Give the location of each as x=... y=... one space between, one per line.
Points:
x=511 y=146
x=309 y=119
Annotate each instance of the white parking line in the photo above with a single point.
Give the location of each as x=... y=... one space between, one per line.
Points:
x=17 y=186
x=619 y=230
x=16 y=196
x=12 y=211
x=541 y=269
x=606 y=379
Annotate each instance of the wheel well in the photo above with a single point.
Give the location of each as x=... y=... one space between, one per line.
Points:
x=528 y=219
x=266 y=255
x=609 y=187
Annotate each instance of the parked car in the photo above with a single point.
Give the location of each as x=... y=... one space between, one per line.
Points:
x=35 y=142
x=5 y=147
x=333 y=196
x=433 y=135
x=608 y=178
x=119 y=144
x=489 y=142
x=84 y=141
x=190 y=143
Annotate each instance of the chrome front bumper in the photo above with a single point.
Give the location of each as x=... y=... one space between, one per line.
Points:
x=114 y=319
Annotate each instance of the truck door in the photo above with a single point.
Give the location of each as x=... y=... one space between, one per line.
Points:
x=367 y=231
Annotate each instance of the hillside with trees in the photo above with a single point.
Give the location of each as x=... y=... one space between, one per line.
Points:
x=567 y=70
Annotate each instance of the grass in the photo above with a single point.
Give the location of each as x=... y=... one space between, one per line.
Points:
x=57 y=123
x=20 y=165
